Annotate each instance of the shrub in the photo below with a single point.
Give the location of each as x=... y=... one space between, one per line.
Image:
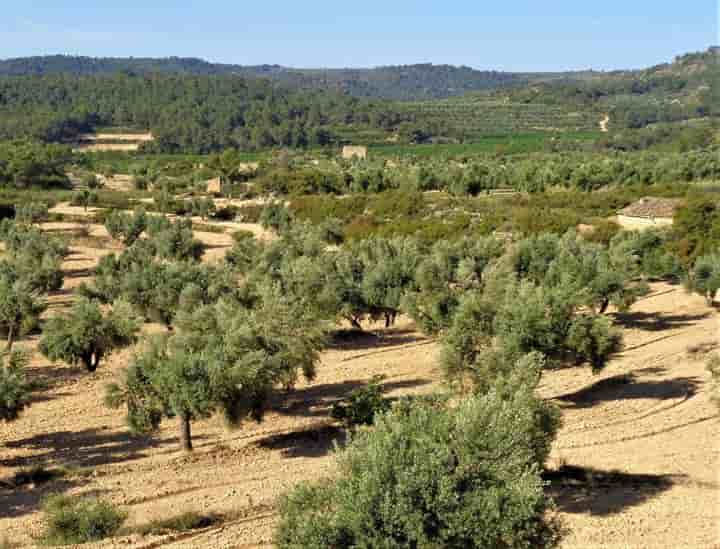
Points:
x=85 y=335
x=14 y=387
x=85 y=199
x=704 y=278
x=180 y=523
x=72 y=520
x=31 y=212
x=427 y=476
x=126 y=227
x=91 y=181
x=362 y=405
x=276 y=217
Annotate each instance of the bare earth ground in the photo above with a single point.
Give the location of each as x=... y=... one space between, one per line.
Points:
x=650 y=440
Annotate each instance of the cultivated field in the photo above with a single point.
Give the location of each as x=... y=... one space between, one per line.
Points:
x=639 y=442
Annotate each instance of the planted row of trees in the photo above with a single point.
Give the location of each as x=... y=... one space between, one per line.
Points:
x=472 y=176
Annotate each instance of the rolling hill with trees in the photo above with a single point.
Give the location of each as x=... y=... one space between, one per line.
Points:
x=191 y=105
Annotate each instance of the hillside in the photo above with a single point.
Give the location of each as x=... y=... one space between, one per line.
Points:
x=191 y=105
x=405 y=82
x=684 y=89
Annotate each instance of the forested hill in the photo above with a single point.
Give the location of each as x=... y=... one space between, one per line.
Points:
x=401 y=82
x=184 y=112
x=408 y=82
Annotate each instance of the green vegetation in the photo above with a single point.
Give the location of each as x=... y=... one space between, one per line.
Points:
x=362 y=405
x=24 y=164
x=14 y=387
x=86 y=335
x=71 y=520
x=184 y=522
x=433 y=476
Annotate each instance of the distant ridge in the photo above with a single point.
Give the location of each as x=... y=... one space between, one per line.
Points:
x=401 y=82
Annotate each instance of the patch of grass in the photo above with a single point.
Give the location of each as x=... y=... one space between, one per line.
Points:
x=73 y=520
x=180 y=523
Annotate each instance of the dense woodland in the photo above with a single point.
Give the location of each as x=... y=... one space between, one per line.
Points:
x=407 y=82
x=185 y=113
x=192 y=109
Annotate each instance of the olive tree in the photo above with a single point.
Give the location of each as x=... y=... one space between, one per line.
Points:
x=704 y=277
x=224 y=358
x=14 y=387
x=86 y=335
x=20 y=309
x=126 y=227
x=31 y=212
x=429 y=475
x=448 y=271
x=510 y=317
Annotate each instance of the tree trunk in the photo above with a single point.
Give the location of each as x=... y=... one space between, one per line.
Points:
x=604 y=305
x=87 y=360
x=185 y=436
x=10 y=338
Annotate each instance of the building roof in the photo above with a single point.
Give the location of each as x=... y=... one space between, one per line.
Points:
x=652 y=207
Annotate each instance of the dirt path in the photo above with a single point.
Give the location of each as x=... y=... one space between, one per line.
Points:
x=656 y=428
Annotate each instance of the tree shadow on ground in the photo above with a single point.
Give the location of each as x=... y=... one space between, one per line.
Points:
x=595 y=492
x=359 y=340
x=624 y=386
x=311 y=442
x=79 y=273
x=86 y=448
x=656 y=322
x=316 y=400
x=27 y=499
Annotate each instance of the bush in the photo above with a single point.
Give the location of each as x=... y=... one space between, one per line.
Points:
x=362 y=405
x=85 y=199
x=276 y=217
x=704 y=279
x=126 y=227
x=31 y=212
x=14 y=387
x=72 y=520
x=85 y=335
x=428 y=476
x=190 y=520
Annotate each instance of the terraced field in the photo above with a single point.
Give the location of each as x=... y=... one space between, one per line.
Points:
x=485 y=117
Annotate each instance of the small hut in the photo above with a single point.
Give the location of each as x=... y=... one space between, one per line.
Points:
x=648 y=212
x=350 y=152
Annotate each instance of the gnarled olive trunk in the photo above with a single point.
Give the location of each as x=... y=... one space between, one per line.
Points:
x=185 y=435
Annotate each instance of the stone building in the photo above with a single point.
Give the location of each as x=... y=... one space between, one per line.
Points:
x=648 y=212
x=350 y=152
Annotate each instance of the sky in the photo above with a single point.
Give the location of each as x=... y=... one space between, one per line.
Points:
x=510 y=35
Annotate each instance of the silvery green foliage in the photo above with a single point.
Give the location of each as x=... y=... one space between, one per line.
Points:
x=704 y=278
x=430 y=475
x=14 y=387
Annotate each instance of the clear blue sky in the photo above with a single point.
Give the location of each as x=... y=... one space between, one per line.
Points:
x=504 y=35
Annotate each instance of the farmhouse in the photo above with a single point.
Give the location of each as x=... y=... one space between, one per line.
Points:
x=648 y=212
x=350 y=152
